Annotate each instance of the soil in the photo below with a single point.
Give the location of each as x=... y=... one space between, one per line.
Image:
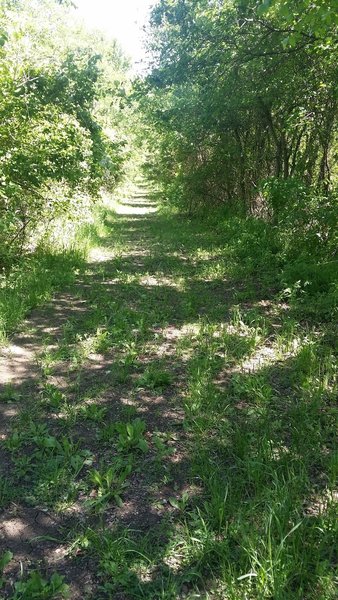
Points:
x=37 y=537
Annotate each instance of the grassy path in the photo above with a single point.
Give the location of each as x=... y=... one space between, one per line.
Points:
x=166 y=429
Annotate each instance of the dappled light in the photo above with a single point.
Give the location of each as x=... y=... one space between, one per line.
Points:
x=144 y=334
x=137 y=207
x=168 y=291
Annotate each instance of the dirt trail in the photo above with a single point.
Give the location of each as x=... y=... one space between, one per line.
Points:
x=125 y=283
x=153 y=416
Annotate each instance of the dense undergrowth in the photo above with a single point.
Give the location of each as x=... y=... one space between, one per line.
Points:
x=32 y=282
x=37 y=275
x=238 y=94
x=58 y=148
x=288 y=258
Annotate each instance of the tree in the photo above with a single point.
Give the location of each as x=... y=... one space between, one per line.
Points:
x=53 y=147
x=241 y=91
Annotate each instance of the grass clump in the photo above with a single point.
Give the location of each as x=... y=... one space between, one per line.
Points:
x=34 y=585
x=131 y=436
x=109 y=484
x=35 y=276
x=32 y=282
x=155 y=378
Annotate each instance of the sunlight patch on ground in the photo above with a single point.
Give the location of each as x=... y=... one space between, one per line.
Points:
x=171 y=340
x=134 y=252
x=129 y=205
x=15 y=367
x=263 y=357
x=14 y=528
x=149 y=280
x=6 y=413
x=186 y=330
x=207 y=254
x=133 y=209
x=100 y=254
x=320 y=503
x=14 y=350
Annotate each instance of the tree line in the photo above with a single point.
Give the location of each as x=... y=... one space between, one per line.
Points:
x=242 y=97
x=59 y=113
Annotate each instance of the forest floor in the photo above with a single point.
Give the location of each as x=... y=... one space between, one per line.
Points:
x=166 y=429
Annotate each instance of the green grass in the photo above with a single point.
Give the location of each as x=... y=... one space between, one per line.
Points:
x=194 y=388
x=36 y=276
x=32 y=281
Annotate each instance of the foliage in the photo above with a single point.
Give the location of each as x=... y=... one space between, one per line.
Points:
x=240 y=92
x=109 y=484
x=4 y=561
x=131 y=436
x=34 y=586
x=32 y=281
x=155 y=378
x=52 y=144
x=37 y=587
x=316 y=21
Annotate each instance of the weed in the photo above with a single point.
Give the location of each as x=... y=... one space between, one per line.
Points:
x=252 y=387
x=162 y=449
x=5 y=559
x=35 y=586
x=7 y=492
x=23 y=465
x=107 y=433
x=115 y=551
x=93 y=412
x=14 y=441
x=155 y=378
x=130 y=354
x=109 y=484
x=120 y=373
x=131 y=436
x=9 y=394
x=52 y=396
x=180 y=503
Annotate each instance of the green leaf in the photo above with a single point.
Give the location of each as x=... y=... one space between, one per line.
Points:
x=185 y=497
x=142 y=445
x=174 y=503
x=130 y=429
x=5 y=559
x=118 y=500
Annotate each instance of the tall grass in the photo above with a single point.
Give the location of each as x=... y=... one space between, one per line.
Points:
x=52 y=266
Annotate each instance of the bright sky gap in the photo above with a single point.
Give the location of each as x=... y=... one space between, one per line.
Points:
x=123 y=20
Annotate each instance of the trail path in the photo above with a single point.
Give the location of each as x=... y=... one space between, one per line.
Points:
x=109 y=349
x=165 y=427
